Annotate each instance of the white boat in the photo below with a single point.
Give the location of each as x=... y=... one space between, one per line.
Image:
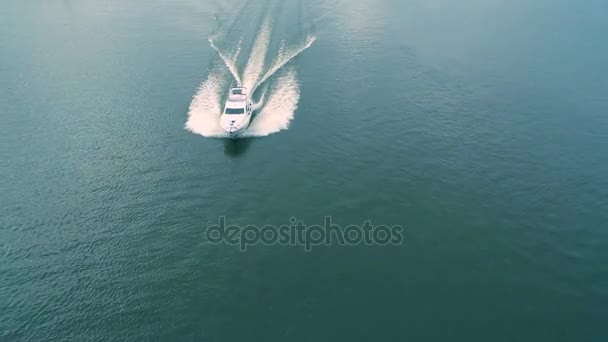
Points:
x=237 y=112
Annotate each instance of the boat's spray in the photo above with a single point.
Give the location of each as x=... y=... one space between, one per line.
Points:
x=280 y=92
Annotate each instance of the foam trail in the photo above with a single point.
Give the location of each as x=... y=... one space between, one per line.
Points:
x=285 y=57
x=257 y=59
x=260 y=103
x=278 y=99
x=205 y=109
x=279 y=109
x=230 y=62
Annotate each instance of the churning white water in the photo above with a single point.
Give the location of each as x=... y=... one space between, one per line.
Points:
x=274 y=107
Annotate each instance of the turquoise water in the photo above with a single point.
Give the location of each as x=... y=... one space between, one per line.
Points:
x=478 y=126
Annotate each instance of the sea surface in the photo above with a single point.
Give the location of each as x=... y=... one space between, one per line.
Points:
x=479 y=126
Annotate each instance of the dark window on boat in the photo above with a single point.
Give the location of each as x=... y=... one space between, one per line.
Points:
x=235 y=111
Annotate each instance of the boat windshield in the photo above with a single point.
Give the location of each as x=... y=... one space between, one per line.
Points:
x=234 y=111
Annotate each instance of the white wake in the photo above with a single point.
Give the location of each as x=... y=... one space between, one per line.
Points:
x=205 y=108
x=285 y=56
x=255 y=65
x=279 y=108
x=229 y=61
x=278 y=102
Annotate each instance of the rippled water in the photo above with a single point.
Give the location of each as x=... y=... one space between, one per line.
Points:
x=479 y=126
